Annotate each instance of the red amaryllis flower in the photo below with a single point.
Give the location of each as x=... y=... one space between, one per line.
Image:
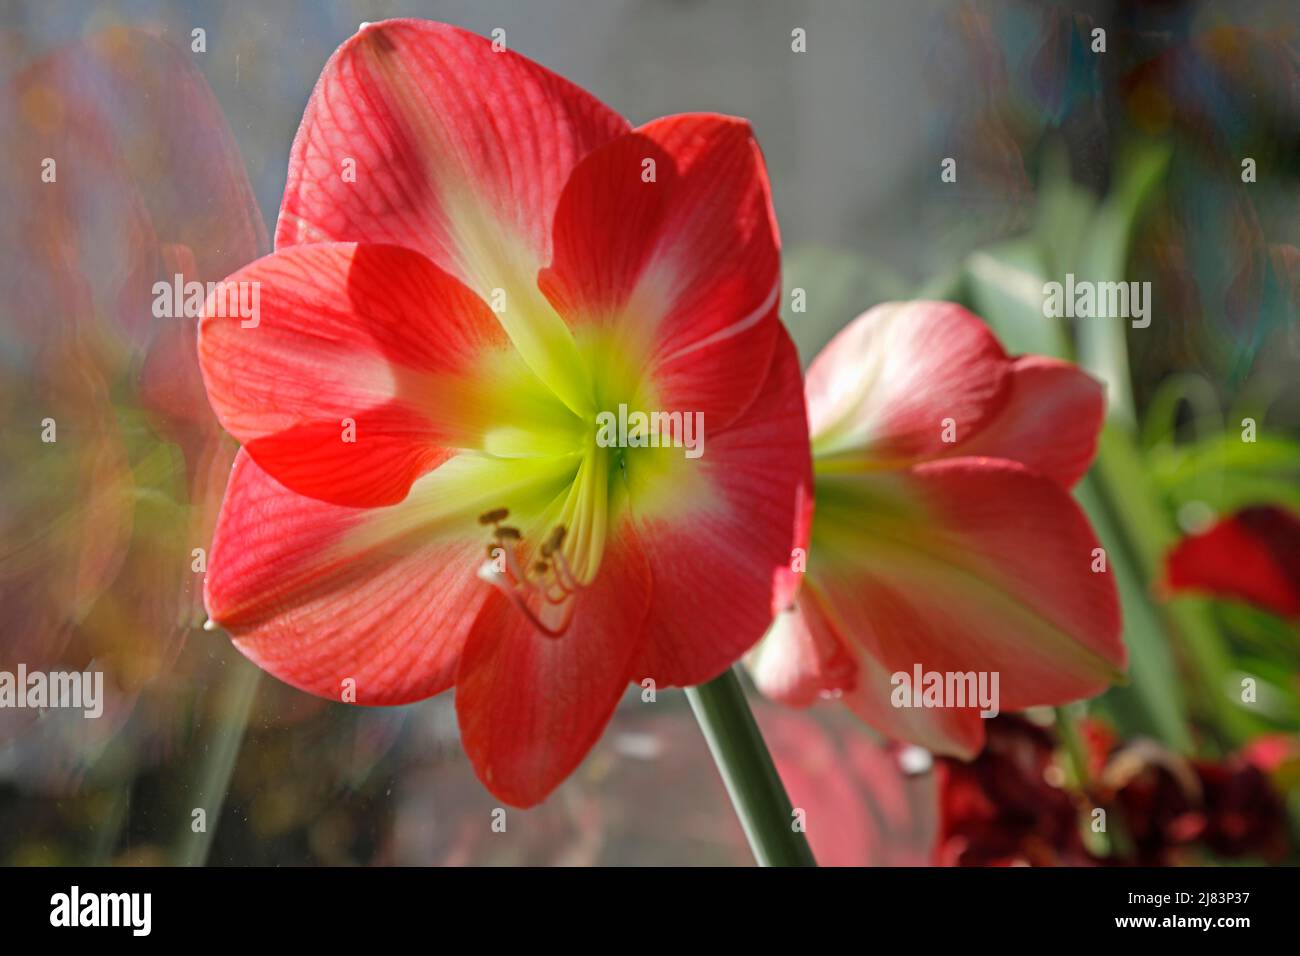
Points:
x=946 y=538
x=1253 y=556
x=477 y=265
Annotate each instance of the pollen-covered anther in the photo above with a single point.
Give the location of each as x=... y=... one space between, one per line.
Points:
x=495 y=516
x=554 y=542
x=552 y=549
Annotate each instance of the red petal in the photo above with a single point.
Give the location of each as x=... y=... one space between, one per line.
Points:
x=685 y=268
x=805 y=657
x=1050 y=422
x=802 y=657
x=962 y=565
x=459 y=151
x=721 y=559
x=531 y=706
x=1253 y=555
x=376 y=335
x=887 y=385
x=950 y=731
x=317 y=593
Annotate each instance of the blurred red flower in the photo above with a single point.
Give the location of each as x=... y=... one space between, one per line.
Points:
x=1007 y=807
x=118 y=172
x=1252 y=555
x=1172 y=807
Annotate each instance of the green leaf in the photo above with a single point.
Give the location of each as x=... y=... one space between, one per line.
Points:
x=1005 y=283
x=1152 y=702
x=1227 y=473
x=1103 y=348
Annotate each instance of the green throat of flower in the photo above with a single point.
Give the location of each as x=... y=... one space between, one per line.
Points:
x=542 y=549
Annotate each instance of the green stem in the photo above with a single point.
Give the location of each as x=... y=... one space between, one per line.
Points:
x=234 y=703
x=747 y=770
x=1069 y=735
x=1118 y=842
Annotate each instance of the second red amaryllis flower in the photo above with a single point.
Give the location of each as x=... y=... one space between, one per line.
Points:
x=946 y=539
x=475 y=259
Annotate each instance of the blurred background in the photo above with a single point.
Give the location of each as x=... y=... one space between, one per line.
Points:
x=1127 y=163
